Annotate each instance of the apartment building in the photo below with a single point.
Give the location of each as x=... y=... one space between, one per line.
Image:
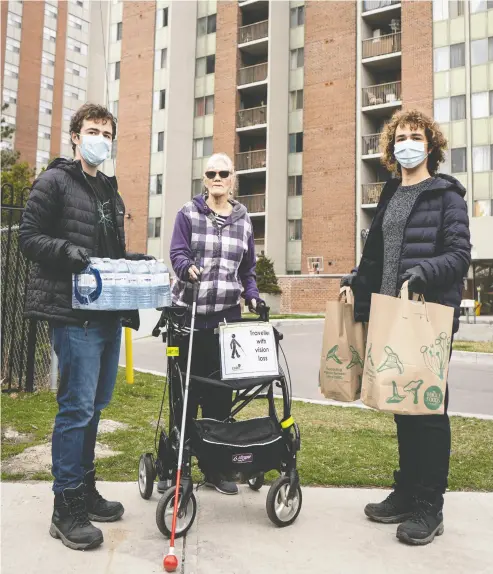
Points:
x=296 y=92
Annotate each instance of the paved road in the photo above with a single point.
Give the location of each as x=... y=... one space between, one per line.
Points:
x=471 y=384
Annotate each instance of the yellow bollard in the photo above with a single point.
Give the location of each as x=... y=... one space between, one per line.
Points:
x=129 y=357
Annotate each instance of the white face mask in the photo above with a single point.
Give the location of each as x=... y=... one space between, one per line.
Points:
x=410 y=153
x=94 y=149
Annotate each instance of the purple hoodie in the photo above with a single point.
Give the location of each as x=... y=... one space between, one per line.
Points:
x=226 y=254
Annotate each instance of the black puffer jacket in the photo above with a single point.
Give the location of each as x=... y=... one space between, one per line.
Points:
x=436 y=238
x=62 y=209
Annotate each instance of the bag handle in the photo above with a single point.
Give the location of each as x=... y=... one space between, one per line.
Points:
x=347 y=293
x=406 y=304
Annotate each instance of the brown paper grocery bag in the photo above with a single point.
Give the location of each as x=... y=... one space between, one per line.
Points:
x=407 y=355
x=343 y=350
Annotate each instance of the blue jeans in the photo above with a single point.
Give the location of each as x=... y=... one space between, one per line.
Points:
x=88 y=363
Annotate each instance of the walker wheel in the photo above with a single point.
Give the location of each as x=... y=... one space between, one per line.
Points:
x=164 y=514
x=256 y=482
x=146 y=475
x=280 y=510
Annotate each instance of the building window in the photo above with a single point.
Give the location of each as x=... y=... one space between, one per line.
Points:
x=160 y=100
x=48 y=59
x=483 y=208
x=295 y=100
x=479 y=51
x=9 y=96
x=116 y=71
x=74 y=92
x=296 y=142
x=45 y=107
x=297 y=16
x=481 y=5
x=42 y=157
x=206 y=25
x=49 y=34
x=458 y=157
x=294 y=229
x=119 y=31
x=295 y=185
x=154 y=228
x=44 y=133
x=156 y=184
x=456 y=8
x=11 y=70
x=481 y=158
x=441 y=59
x=197 y=186
x=457 y=55
x=202 y=147
x=480 y=105
x=297 y=58
x=442 y=110
x=76 y=23
x=158 y=141
x=67 y=114
x=162 y=16
x=76 y=46
x=46 y=83
x=76 y=69
x=15 y=20
x=162 y=58
x=13 y=45
x=491 y=103
x=204 y=66
x=204 y=106
x=51 y=11
x=457 y=108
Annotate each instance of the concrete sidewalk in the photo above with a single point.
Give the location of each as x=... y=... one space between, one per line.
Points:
x=232 y=535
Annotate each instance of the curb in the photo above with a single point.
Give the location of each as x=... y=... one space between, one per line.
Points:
x=473 y=357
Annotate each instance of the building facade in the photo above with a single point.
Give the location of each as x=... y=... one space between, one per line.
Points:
x=297 y=93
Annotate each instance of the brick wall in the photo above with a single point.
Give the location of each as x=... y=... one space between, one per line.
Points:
x=26 y=132
x=417 y=55
x=307 y=294
x=329 y=118
x=57 y=117
x=225 y=91
x=135 y=118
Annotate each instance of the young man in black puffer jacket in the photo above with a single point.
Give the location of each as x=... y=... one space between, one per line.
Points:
x=420 y=234
x=74 y=212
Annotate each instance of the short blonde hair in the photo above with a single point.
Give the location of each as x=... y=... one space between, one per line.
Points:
x=222 y=157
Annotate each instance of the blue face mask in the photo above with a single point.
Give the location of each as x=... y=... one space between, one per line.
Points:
x=410 y=153
x=94 y=149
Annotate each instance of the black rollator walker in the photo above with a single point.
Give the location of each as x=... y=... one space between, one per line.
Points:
x=248 y=448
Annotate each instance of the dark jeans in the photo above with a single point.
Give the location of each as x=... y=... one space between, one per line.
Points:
x=215 y=402
x=88 y=364
x=424 y=454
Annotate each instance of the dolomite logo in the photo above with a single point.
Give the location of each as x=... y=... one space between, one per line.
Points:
x=243 y=458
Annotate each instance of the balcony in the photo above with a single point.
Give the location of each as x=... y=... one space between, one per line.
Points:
x=387 y=95
x=255 y=204
x=254 y=32
x=382 y=45
x=371 y=193
x=369 y=5
x=371 y=145
x=252 y=74
x=252 y=117
x=248 y=160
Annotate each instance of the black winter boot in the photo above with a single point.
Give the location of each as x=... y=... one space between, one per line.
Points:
x=70 y=521
x=99 y=509
x=425 y=523
x=397 y=507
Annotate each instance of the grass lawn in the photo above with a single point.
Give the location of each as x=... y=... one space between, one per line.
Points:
x=475 y=347
x=340 y=446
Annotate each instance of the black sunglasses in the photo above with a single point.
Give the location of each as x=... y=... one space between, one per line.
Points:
x=212 y=174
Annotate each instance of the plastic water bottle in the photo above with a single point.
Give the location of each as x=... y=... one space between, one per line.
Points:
x=107 y=271
x=144 y=278
x=133 y=284
x=123 y=298
x=151 y=264
x=163 y=298
x=86 y=284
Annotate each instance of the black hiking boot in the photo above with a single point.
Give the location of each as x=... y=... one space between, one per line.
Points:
x=222 y=486
x=70 y=521
x=425 y=523
x=99 y=509
x=397 y=507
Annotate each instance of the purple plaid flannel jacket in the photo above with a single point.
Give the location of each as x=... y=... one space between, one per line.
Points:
x=226 y=254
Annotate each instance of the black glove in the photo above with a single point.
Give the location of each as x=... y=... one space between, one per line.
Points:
x=347 y=280
x=139 y=257
x=416 y=278
x=258 y=303
x=77 y=258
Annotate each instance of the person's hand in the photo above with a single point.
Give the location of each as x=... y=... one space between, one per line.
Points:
x=139 y=257
x=193 y=273
x=77 y=258
x=252 y=305
x=416 y=278
x=347 y=280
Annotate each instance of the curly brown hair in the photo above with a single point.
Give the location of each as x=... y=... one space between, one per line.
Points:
x=437 y=143
x=90 y=112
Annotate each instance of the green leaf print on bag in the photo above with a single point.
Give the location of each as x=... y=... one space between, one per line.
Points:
x=355 y=359
x=396 y=397
x=369 y=357
x=331 y=355
x=437 y=355
x=413 y=387
x=391 y=362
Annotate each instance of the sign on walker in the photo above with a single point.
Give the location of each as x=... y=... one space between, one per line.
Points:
x=248 y=350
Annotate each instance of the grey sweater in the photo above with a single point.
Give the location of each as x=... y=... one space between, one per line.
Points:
x=394 y=223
